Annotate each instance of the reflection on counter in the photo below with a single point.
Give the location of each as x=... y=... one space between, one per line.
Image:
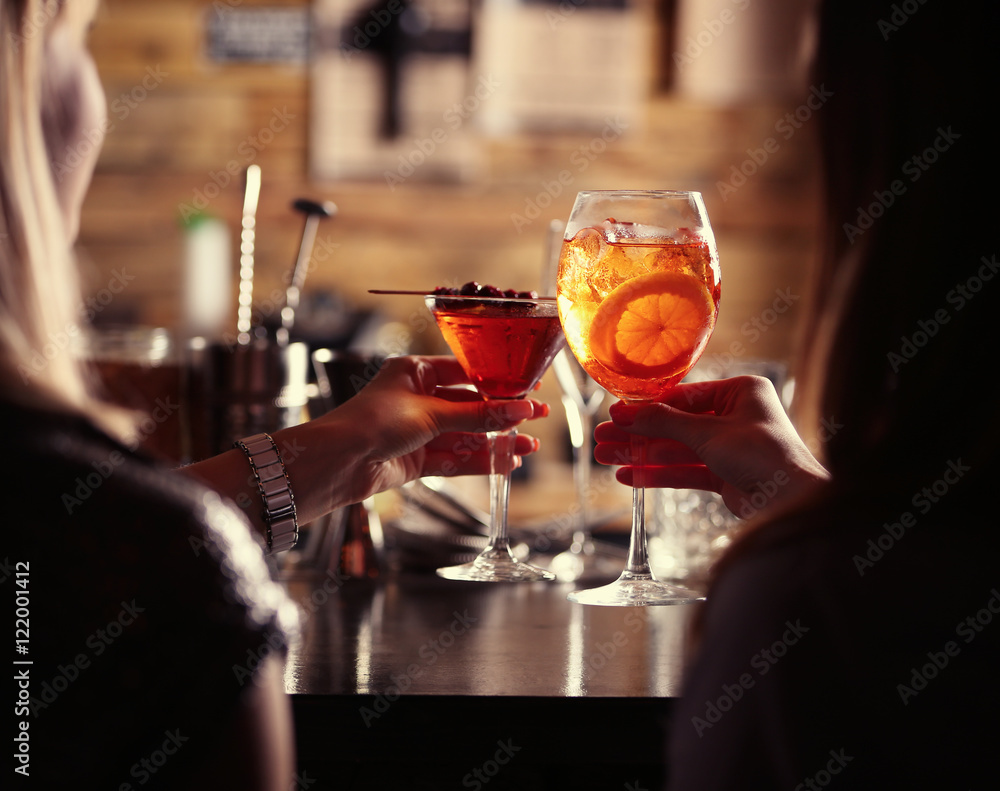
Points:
x=416 y=634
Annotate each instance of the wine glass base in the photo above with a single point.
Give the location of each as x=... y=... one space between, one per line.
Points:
x=495 y=570
x=635 y=592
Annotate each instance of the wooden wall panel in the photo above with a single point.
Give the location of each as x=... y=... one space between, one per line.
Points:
x=196 y=118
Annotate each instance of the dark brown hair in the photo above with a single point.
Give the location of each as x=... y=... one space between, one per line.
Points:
x=899 y=353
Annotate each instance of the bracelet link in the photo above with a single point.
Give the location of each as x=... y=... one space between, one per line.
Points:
x=275 y=490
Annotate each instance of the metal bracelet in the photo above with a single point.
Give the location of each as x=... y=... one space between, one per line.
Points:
x=275 y=490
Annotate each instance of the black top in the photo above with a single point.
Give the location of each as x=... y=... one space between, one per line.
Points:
x=150 y=606
x=851 y=650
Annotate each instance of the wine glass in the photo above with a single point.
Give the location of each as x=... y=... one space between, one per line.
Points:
x=581 y=399
x=504 y=345
x=638 y=294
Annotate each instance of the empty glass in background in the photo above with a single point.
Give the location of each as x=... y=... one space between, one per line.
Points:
x=141 y=369
x=690 y=528
x=582 y=398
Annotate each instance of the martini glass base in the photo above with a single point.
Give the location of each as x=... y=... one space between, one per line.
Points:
x=635 y=591
x=495 y=565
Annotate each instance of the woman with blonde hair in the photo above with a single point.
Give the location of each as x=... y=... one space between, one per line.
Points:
x=150 y=599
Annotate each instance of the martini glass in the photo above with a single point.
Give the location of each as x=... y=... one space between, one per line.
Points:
x=504 y=345
x=638 y=293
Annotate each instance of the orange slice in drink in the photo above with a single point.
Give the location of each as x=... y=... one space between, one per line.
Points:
x=653 y=325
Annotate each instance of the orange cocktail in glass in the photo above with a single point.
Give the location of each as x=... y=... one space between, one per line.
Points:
x=637 y=315
x=638 y=293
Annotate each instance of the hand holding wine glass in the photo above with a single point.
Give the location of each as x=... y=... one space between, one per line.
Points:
x=730 y=436
x=638 y=293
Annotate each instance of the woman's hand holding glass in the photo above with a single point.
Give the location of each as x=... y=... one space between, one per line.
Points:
x=415 y=418
x=419 y=420
x=730 y=436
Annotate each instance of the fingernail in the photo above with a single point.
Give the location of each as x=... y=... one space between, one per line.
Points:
x=518 y=410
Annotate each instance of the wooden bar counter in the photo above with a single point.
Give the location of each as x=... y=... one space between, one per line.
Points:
x=412 y=681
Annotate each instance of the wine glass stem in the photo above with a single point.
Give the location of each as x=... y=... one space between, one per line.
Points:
x=501 y=444
x=637 y=565
x=581 y=472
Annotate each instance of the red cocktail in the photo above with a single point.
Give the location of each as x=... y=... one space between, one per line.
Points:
x=504 y=344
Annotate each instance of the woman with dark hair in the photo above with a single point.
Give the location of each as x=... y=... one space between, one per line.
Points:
x=851 y=635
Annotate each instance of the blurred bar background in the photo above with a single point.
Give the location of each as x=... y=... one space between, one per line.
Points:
x=448 y=134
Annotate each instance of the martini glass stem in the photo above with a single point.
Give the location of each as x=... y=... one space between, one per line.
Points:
x=501 y=445
x=637 y=564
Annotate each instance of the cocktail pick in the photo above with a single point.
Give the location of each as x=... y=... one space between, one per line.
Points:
x=430 y=293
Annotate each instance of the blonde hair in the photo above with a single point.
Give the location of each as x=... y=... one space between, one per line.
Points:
x=40 y=298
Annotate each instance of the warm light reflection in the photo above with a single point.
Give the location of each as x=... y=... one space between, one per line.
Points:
x=368 y=629
x=575 y=686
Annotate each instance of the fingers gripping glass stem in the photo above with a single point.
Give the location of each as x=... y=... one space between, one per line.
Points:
x=636 y=585
x=637 y=565
x=501 y=455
